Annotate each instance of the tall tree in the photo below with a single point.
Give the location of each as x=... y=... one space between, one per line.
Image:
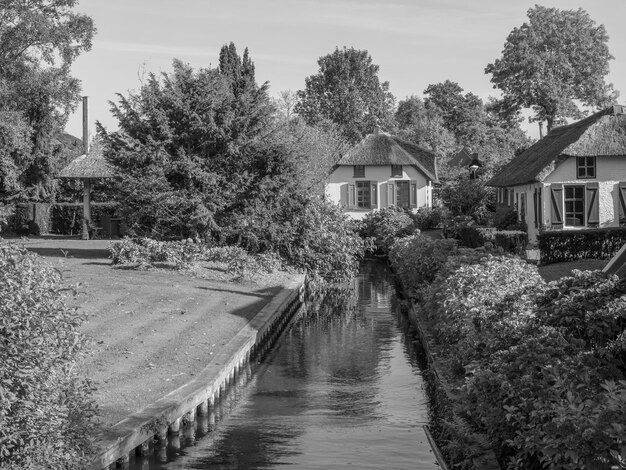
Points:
x=558 y=56
x=347 y=91
x=424 y=127
x=39 y=40
x=460 y=112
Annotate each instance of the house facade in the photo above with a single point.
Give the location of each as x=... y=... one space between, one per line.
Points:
x=573 y=179
x=382 y=171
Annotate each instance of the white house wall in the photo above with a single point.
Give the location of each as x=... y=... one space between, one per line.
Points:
x=609 y=171
x=343 y=175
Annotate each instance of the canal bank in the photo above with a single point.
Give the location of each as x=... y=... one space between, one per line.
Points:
x=154 y=332
x=167 y=416
x=342 y=387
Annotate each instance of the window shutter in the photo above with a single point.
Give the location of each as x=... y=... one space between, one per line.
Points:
x=556 y=204
x=391 y=194
x=351 y=196
x=540 y=206
x=413 y=194
x=374 y=194
x=343 y=195
x=592 y=205
x=536 y=206
x=621 y=187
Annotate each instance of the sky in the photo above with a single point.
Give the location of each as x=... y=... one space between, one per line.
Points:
x=414 y=42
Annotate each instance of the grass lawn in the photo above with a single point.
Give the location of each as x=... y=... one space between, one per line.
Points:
x=150 y=331
x=552 y=272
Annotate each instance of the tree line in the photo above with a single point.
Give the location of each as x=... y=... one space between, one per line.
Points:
x=552 y=61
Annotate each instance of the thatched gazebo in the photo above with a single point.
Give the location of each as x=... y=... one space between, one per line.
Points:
x=87 y=167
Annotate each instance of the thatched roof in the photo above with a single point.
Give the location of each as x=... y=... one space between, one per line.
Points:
x=462 y=159
x=602 y=134
x=90 y=165
x=383 y=149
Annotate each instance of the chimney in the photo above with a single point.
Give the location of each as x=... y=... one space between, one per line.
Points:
x=86 y=124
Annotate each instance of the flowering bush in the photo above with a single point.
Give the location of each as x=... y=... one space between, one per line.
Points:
x=554 y=395
x=478 y=307
x=45 y=408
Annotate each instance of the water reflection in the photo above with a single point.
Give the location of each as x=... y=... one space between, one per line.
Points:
x=341 y=389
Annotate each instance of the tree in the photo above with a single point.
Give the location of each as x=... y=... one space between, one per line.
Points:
x=202 y=155
x=346 y=90
x=424 y=127
x=461 y=113
x=558 y=56
x=39 y=40
x=285 y=104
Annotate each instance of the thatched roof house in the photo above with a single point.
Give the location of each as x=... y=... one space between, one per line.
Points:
x=90 y=165
x=383 y=150
x=575 y=177
x=462 y=159
x=602 y=134
x=383 y=171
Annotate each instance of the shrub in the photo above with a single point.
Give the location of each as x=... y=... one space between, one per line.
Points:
x=385 y=226
x=452 y=227
x=45 y=409
x=505 y=218
x=144 y=251
x=417 y=260
x=6 y=212
x=429 y=218
x=570 y=245
x=473 y=305
x=471 y=198
x=554 y=395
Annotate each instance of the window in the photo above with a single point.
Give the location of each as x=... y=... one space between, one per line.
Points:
x=359 y=171
x=396 y=171
x=402 y=194
x=574 y=206
x=586 y=167
x=363 y=194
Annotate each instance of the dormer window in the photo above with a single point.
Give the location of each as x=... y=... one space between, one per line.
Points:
x=586 y=167
x=359 y=171
x=396 y=171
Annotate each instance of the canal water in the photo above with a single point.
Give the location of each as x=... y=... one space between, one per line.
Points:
x=342 y=389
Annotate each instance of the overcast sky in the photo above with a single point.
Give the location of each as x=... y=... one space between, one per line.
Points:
x=415 y=42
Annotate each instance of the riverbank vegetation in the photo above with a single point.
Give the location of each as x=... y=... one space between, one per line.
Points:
x=45 y=408
x=539 y=368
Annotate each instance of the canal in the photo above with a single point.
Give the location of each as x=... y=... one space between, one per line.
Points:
x=342 y=389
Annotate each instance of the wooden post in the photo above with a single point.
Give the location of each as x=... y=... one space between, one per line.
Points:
x=175 y=427
x=86 y=207
x=86 y=182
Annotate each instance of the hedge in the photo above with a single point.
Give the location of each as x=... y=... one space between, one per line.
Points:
x=45 y=407
x=511 y=241
x=570 y=245
x=66 y=217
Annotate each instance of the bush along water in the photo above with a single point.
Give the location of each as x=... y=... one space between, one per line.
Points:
x=318 y=240
x=538 y=368
x=45 y=408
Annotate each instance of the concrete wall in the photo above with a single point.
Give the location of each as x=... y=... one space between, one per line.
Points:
x=343 y=176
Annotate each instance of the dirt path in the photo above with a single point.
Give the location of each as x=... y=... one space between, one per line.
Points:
x=150 y=331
